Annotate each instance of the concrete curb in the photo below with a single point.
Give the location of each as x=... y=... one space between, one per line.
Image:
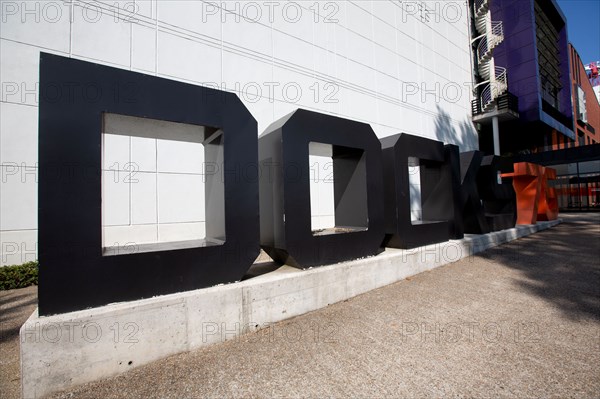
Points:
x=69 y=349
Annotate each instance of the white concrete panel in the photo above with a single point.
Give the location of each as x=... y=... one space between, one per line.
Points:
x=364 y=76
x=50 y=19
x=327 y=221
x=359 y=19
x=411 y=121
x=241 y=73
x=341 y=37
x=126 y=238
x=440 y=46
x=295 y=88
x=144 y=199
x=406 y=21
x=18 y=134
x=143 y=154
x=315 y=223
x=179 y=156
x=427 y=59
x=388 y=85
x=184 y=58
x=360 y=49
x=384 y=11
x=168 y=232
x=341 y=68
x=406 y=45
x=325 y=65
x=98 y=34
x=414 y=182
x=18 y=197
x=431 y=125
x=143 y=48
x=426 y=34
x=19 y=72
x=234 y=11
x=409 y=73
x=324 y=33
x=389 y=114
x=17 y=247
x=321 y=185
x=146 y=8
x=296 y=19
x=115 y=152
x=326 y=94
x=358 y=106
x=249 y=36
x=386 y=61
x=115 y=198
x=314 y=200
x=293 y=51
x=384 y=34
x=180 y=198
x=326 y=196
x=194 y=16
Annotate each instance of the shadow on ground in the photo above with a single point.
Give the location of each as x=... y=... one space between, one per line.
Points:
x=16 y=306
x=560 y=265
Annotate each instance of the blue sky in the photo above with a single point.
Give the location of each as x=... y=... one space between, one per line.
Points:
x=583 y=20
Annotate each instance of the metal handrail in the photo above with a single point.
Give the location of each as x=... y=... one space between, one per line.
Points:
x=497 y=28
x=477 y=5
x=490 y=39
x=486 y=96
x=482 y=48
x=494 y=89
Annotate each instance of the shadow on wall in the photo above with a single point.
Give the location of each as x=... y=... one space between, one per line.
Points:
x=465 y=137
x=559 y=265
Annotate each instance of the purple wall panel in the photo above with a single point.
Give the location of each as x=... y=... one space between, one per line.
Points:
x=518 y=54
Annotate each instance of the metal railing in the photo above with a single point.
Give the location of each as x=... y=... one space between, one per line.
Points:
x=479 y=4
x=494 y=89
x=506 y=101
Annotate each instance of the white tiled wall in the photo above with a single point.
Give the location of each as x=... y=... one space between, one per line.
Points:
x=322 y=206
x=414 y=183
x=152 y=188
x=387 y=63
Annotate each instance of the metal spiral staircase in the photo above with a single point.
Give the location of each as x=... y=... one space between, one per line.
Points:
x=491 y=33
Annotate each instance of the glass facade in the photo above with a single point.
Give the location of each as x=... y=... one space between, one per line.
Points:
x=578 y=185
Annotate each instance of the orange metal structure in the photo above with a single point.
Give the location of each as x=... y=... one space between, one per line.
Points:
x=536 y=200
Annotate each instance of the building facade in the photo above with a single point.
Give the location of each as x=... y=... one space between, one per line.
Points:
x=399 y=66
x=532 y=67
x=585 y=104
x=591 y=70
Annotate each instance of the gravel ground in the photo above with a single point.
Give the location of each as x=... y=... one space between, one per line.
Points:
x=520 y=320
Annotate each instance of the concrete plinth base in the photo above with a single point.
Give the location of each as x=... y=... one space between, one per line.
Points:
x=73 y=348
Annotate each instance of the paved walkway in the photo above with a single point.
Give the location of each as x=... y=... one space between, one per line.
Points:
x=520 y=320
x=15 y=307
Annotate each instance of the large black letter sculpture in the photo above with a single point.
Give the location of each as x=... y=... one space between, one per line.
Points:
x=285 y=211
x=401 y=232
x=473 y=216
x=441 y=201
x=74 y=274
x=499 y=199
